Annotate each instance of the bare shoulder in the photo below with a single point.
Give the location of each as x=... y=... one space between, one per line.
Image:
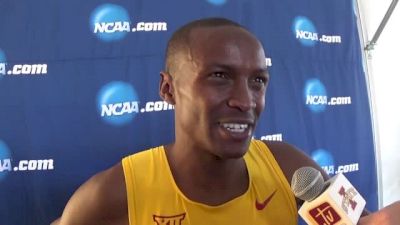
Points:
x=390 y=215
x=290 y=158
x=100 y=200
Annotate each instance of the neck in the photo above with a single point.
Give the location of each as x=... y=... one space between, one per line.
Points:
x=204 y=177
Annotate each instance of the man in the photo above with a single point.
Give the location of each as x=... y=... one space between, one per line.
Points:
x=213 y=173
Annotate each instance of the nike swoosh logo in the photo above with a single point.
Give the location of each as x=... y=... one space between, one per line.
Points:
x=261 y=206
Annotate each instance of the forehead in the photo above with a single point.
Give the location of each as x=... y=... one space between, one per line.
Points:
x=228 y=45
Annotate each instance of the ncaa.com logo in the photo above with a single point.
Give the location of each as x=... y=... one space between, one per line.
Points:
x=316 y=97
x=4 y=157
x=272 y=137
x=268 y=62
x=217 y=2
x=306 y=33
x=111 y=22
x=20 y=69
x=118 y=104
x=327 y=162
x=7 y=164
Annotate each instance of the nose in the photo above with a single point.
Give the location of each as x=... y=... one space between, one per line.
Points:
x=241 y=97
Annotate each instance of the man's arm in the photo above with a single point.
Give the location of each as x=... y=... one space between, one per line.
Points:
x=290 y=159
x=100 y=200
x=388 y=215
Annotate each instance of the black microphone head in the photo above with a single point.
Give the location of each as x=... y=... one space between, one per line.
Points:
x=307 y=183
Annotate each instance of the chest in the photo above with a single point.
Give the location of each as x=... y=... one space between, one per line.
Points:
x=256 y=206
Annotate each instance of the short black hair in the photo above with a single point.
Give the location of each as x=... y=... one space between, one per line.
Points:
x=180 y=38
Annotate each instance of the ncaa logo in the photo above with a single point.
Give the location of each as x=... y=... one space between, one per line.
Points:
x=323 y=158
x=305 y=31
x=315 y=95
x=2 y=63
x=2 y=56
x=217 y=2
x=110 y=22
x=4 y=159
x=117 y=103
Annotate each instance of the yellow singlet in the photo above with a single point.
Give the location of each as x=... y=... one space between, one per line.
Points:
x=155 y=199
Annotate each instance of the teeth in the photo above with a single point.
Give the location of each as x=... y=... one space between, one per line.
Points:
x=235 y=127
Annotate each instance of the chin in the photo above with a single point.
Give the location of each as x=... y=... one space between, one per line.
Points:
x=236 y=151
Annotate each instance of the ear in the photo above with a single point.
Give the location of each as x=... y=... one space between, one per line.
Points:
x=166 y=89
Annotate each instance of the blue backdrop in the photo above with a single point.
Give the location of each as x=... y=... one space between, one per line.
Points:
x=79 y=90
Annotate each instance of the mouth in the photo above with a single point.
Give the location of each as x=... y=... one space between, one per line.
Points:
x=235 y=127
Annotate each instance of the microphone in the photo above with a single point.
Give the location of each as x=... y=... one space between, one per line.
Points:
x=334 y=202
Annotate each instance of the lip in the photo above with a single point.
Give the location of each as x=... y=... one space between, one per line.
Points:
x=236 y=129
x=250 y=122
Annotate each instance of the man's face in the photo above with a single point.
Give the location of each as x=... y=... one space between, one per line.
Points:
x=219 y=91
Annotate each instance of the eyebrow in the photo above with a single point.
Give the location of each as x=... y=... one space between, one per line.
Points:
x=263 y=70
x=229 y=67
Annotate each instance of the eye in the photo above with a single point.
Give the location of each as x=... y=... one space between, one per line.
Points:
x=219 y=75
x=261 y=79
